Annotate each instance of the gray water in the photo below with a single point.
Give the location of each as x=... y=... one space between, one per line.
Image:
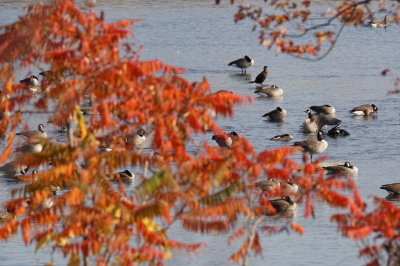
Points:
x=203 y=39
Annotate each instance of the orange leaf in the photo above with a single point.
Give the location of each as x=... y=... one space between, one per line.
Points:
x=298 y=228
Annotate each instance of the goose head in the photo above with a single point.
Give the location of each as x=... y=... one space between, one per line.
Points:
x=41 y=128
x=320 y=135
x=128 y=173
x=141 y=132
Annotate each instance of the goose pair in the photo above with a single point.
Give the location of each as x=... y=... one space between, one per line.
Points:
x=316 y=122
x=226 y=140
x=313 y=146
x=242 y=63
x=345 y=169
x=272 y=92
x=288 y=188
x=276 y=115
x=364 y=110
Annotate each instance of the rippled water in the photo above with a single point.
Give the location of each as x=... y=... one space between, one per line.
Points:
x=203 y=39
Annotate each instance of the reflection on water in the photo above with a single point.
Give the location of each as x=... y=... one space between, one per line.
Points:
x=393 y=197
x=202 y=39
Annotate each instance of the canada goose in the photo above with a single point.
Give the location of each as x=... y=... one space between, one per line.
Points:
x=283 y=207
x=32 y=82
x=242 y=63
x=345 y=169
x=31 y=147
x=393 y=188
x=261 y=77
x=125 y=176
x=282 y=137
x=226 y=140
x=272 y=92
x=379 y=24
x=138 y=140
x=323 y=109
x=310 y=124
x=12 y=168
x=365 y=109
x=289 y=187
x=336 y=132
x=313 y=146
x=276 y=115
x=34 y=133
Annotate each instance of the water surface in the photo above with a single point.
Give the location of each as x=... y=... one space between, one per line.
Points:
x=203 y=39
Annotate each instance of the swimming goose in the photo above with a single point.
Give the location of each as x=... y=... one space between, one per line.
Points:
x=31 y=147
x=380 y=24
x=282 y=137
x=32 y=82
x=393 y=188
x=138 y=140
x=261 y=77
x=283 y=207
x=323 y=109
x=242 y=63
x=226 y=140
x=125 y=176
x=365 y=109
x=276 y=115
x=336 y=132
x=345 y=169
x=12 y=168
x=272 y=92
x=34 y=133
x=313 y=146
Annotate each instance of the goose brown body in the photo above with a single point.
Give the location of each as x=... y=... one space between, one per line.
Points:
x=276 y=115
x=261 y=77
x=313 y=146
x=272 y=92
